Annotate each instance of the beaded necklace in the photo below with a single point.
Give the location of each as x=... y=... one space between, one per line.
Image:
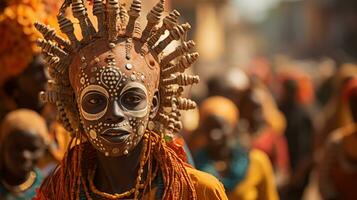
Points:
x=138 y=186
x=21 y=187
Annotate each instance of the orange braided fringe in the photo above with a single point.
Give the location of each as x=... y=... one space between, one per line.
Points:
x=66 y=181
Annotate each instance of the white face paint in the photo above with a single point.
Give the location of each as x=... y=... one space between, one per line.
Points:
x=94 y=93
x=141 y=90
x=114 y=107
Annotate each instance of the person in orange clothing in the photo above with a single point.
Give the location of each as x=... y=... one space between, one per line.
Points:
x=246 y=173
x=120 y=98
x=338 y=166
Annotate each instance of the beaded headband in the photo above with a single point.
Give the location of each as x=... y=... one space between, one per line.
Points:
x=119 y=27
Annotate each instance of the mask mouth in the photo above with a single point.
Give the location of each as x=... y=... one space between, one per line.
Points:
x=116 y=135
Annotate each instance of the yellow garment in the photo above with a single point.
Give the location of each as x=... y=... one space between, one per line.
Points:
x=206 y=186
x=259 y=181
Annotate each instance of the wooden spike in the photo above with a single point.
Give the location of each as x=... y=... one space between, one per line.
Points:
x=113 y=11
x=51 y=95
x=67 y=28
x=51 y=48
x=176 y=114
x=182 y=79
x=179 y=51
x=185 y=104
x=178 y=126
x=165 y=73
x=137 y=30
x=80 y=12
x=50 y=34
x=51 y=61
x=184 y=63
x=99 y=12
x=169 y=65
x=124 y=17
x=180 y=102
x=173 y=92
x=169 y=23
x=57 y=69
x=133 y=13
x=153 y=19
x=171 y=125
x=167 y=101
x=174 y=124
x=163 y=119
x=175 y=34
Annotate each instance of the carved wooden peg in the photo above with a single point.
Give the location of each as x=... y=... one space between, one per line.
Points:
x=184 y=63
x=80 y=12
x=99 y=12
x=185 y=104
x=179 y=51
x=67 y=28
x=134 y=13
x=182 y=79
x=50 y=47
x=175 y=34
x=113 y=11
x=169 y=23
x=153 y=19
x=50 y=34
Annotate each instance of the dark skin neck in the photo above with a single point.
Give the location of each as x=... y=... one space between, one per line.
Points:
x=220 y=153
x=118 y=174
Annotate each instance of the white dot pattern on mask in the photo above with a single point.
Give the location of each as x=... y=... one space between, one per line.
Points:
x=128 y=66
x=110 y=77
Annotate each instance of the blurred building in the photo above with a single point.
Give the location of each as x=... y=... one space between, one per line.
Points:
x=314 y=28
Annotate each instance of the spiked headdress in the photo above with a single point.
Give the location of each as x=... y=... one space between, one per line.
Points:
x=119 y=27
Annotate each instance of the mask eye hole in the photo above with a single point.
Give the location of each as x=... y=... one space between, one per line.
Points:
x=134 y=99
x=94 y=102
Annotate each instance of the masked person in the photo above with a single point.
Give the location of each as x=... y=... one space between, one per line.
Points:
x=23 y=139
x=245 y=173
x=120 y=96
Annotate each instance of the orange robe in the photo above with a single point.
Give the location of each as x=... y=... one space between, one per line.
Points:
x=206 y=186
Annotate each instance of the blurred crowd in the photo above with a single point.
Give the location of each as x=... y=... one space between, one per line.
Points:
x=280 y=133
x=274 y=130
